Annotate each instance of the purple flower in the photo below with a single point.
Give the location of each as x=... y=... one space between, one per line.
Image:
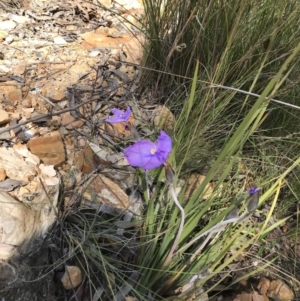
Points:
x=148 y=155
x=253 y=190
x=119 y=116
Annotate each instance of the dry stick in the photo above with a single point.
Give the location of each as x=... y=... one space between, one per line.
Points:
x=173 y=194
x=33 y=119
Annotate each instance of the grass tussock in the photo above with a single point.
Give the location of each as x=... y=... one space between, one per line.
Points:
x=207 y=57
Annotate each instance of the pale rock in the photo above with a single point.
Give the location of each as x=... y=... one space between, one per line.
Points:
x=32 y=159
x=21 y=149
x=49 y=149
x=2 y=174
x=9 y=39
x=3 y=35
x=94 y=53
x=129 y=4
x=72 y=277
x=19 y=70
x=7 y=25
x=60 y=41
x=4 y=117
x=18 y=19
x=4 y=69
x=53 y=181
x=47 y=170
x=21 y=224
x=101 y=189
x=106 y=3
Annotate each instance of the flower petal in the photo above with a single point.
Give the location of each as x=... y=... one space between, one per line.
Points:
x=127 y=113
x=139 y=154
x=119 y=115
x=164 y=144
x=153 y=163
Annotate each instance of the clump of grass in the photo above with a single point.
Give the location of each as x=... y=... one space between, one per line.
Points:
x=252 y=47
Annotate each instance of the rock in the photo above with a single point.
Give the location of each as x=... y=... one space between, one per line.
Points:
x=10 y=92
x=21 y=149
x=23 y=225
x=9 y=39
x=32 y=159
x=2 y=174
x=100 y=189
x=49 y=149
x=47 y=170
x=18 y=19
x=15 y=166
x=72 y=277
x=106 y=3
x=60 y=41
x=70 y=122
x=4 y=117
x=53 y=181
x=3 y=35
x=7 y=25
x=109 y=37
x=55 y=91
x=85 y=160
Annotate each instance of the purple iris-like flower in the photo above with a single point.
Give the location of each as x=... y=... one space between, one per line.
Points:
x=119 y=116
x=148 y=155
x=253 y=190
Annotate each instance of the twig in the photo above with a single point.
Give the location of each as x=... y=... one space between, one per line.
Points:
x=38 y=117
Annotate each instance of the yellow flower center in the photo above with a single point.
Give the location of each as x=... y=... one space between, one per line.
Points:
x=153 y=151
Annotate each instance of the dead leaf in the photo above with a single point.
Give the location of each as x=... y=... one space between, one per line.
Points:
x=243 y=297
x=257 y=297
x=163 y=118
x=264 y=285
x=194 y=181
x=280 y=290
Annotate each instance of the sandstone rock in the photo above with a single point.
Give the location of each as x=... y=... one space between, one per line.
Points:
x=47 y=170
x=52 y=181
x=49 y=149
x=7 y=25
x=15 y=166
x=18 y=19
x=55 y=91
x=109 y=37
x=100 y=189
x=35 y=160
x=3 y=35
x=2 y=174
x=22 y=225
x=4 y=117
x=70 y=122
x=72 y=277
x=21 y=149
x=60 y=41
x=85 y=160
x=11 y=92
